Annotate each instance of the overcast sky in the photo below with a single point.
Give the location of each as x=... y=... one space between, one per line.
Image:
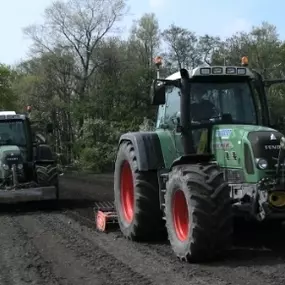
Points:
x=216 y=17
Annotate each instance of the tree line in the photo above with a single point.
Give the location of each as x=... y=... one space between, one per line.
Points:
x=94 y=85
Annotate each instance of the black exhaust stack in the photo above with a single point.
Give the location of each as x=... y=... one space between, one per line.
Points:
x=185 y=113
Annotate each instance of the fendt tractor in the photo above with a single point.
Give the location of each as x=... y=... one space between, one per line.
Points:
x=28 y=170
x=214 y=155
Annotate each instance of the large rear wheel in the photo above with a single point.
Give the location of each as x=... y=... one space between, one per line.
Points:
x=47 y=175
x=136 y=197
x=198 y=212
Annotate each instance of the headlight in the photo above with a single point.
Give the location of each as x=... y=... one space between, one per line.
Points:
x=20 y=166
x=261 y=163
x=5 y=167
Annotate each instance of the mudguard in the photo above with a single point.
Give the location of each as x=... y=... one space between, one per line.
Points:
x=44 y=153
x=147 y=148
x=192 y=159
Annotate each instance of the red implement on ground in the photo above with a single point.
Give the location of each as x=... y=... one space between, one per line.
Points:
x=105 y=215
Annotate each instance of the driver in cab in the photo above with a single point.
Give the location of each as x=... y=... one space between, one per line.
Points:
x=202 y=109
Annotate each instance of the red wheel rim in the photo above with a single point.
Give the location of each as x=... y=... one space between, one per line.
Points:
x=127 y=192
x=180 y=215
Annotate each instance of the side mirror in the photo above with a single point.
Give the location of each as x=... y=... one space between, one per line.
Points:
x=157 y=93
x=49 y=128
x=40 y=139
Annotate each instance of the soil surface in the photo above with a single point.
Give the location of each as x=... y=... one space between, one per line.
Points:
x=43 y=244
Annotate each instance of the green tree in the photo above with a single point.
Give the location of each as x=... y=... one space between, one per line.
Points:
x=182 y=43
x=77 y=27
x=94 y=85
x=8 y=98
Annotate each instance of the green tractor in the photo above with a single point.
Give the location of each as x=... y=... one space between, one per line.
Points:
x=214 y=155
x=28 y=169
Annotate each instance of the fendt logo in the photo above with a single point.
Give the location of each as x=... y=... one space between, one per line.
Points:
x=273 y=137
x=272 y=147
x=12 y=158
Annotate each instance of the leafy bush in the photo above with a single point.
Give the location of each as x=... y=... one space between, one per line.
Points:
x=99 y=158
x=98 y=146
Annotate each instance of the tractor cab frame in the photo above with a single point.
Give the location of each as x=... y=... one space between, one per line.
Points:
x=183 y=81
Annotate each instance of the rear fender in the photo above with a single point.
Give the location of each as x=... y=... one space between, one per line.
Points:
x=147 y=148
x=44 y=153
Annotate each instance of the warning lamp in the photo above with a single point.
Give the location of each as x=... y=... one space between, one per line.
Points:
x=29 y=109
x=244 y=61
x=157 y=61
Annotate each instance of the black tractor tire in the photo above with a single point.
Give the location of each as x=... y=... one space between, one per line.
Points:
x=198 y=212
x=136 y=198
x=47 y=175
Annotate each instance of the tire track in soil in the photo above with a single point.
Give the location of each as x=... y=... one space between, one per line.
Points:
x=150 y=269
x=20 y=262
x=167 y=261
x=73 y=258
x=246 y=266
x=243 y=266
x=231 y=271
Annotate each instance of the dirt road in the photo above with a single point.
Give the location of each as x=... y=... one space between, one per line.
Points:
x=40 y=245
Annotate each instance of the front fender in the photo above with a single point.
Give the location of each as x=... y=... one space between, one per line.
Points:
x=147 y=149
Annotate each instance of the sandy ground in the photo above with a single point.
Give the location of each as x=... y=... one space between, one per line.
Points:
x=40 y=244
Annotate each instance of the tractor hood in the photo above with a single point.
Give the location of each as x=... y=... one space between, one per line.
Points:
x=229 y=144
x=9 y=153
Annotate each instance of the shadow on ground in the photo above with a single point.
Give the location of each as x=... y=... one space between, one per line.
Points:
x=256 y=245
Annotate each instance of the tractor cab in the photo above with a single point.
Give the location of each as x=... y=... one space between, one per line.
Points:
x=12 y=131
x=223 y=96
x=217 y=99
x=219 y=94
x=15 y=132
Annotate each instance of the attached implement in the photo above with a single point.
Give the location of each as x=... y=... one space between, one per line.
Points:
x=28 y=169
x=105 y=216
x=214 y=154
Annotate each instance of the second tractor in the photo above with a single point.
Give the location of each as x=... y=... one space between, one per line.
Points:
x=28 y=168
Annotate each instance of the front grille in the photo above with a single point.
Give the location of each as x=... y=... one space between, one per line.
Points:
x=10 y=160
x=266 y=144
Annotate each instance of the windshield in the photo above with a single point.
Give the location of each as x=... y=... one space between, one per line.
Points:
x=12 y=133
x=211 y=100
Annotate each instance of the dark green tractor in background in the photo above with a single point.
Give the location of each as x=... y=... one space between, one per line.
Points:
x=214 y=155
x=28 y=169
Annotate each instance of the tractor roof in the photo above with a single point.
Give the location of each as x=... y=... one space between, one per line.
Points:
x=7 y=113
x=215 y=71
x=11 y=115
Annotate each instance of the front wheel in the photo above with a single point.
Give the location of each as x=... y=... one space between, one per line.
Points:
x=136 y=197
x=198 y=212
